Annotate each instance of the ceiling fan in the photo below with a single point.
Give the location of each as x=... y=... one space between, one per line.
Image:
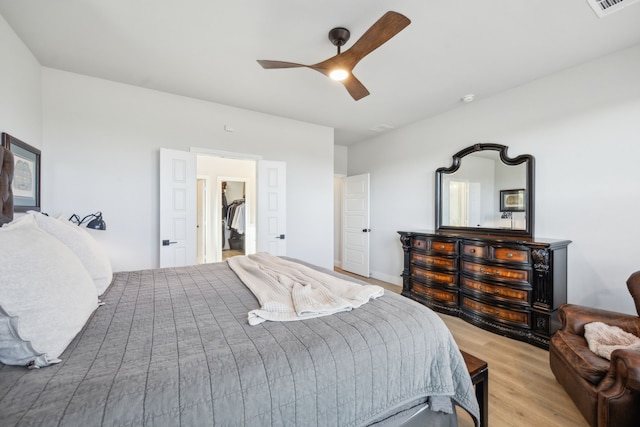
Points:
x=340 y=66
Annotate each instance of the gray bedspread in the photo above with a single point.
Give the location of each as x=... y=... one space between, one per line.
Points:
x=172 y=347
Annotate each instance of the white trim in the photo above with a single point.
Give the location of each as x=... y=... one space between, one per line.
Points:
x=208 y=250
x=394 y=280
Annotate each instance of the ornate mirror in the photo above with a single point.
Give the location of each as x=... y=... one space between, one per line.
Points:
x=486 y=191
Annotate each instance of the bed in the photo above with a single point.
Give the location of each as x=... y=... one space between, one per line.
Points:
x=173 y=347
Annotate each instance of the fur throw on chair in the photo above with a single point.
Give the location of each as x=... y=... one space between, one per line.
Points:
x=603 y=339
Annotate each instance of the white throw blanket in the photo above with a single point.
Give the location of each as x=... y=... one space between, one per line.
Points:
x=603 y=339
x=290 y=291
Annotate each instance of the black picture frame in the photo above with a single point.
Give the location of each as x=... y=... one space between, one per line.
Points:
x=512 y=200
x=26 y=174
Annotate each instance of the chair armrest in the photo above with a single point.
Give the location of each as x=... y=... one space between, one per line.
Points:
x=619 y=391
x=574 y=317
x=624 y=373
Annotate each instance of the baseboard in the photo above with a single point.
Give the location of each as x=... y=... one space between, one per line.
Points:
x=394 y=280
x=337 y=263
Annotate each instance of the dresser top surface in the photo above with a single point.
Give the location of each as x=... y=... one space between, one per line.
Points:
x=531 y=241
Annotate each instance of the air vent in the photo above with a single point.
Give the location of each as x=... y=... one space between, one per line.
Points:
x=604 y=8
x=381 y=128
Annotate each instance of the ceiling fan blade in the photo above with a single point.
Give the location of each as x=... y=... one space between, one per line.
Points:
x=390 y=24
x=355 y=88
x=267 y=64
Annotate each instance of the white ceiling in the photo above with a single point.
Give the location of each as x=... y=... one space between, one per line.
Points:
x=207 y=49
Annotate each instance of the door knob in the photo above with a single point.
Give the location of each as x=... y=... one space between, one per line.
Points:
x=167 y=243
x=280 y=237
x=366 y=230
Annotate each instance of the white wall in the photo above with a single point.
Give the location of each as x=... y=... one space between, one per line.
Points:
x=20 y=89
x=583 y=127
x=340 y=160
x=340 y=156
x=100 y=152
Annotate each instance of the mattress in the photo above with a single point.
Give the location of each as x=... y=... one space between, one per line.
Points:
x=172 y=347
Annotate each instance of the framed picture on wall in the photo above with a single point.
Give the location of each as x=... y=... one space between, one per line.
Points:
x=26 y=174
x=512 y=200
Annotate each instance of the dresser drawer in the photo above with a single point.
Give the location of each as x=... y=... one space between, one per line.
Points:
x=419 y=244
x=515 y=317
x=442 y=295
x=478 y=251
x=449 y=279
x=435 y=261
x=443 y=247
x=511 y=255
x=496 y=272
x=518 y=296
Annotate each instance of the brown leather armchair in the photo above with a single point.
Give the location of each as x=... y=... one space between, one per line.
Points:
x=606 y=392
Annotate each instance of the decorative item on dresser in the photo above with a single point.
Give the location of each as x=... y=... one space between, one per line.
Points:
x=493 y=274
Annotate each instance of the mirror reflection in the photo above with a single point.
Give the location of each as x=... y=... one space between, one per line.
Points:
x=485 y=189
x=471 y=196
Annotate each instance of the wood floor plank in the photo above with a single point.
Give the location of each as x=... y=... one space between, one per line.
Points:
x=522 y=389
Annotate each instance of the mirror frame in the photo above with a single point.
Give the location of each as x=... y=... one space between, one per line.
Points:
x=504 y=157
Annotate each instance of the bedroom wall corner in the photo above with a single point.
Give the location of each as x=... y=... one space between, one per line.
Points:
x=21 y=88
x=340 y=164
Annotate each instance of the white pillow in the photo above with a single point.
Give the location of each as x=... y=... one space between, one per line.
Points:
x=82 y=244
x=46 y=295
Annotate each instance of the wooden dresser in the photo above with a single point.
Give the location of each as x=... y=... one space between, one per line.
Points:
x=509 y=285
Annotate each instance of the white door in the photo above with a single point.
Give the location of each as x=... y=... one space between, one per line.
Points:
x=355 y=224
x=272 y=207
x=178 y=232
x=201 y=225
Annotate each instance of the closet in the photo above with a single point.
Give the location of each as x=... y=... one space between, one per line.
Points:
x=233 y=218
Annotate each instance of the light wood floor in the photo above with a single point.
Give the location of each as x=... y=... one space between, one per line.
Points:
x=228 y=253
x=522 y=390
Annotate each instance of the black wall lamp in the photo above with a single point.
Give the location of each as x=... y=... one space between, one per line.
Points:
x=95 y=221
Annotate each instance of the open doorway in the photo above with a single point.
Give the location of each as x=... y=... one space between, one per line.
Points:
x=231 y=182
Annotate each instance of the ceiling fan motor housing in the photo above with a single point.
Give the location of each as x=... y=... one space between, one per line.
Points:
x=339 y=36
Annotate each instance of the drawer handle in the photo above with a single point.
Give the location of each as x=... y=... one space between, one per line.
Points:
x=473 y=251
x=495 y=272
x=494 y=291
x=509 y=255
x=494 y=312
x=441 y=246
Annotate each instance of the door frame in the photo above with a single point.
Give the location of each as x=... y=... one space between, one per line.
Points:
x=206 y=208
